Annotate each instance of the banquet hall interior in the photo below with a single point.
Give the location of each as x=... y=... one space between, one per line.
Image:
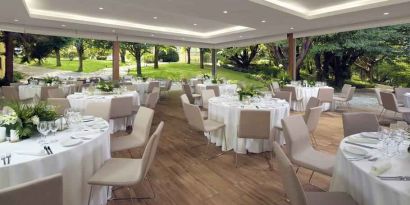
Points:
x=293 y=129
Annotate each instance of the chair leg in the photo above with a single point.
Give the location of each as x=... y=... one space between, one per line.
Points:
x=313 y=138
x=89 y=197
x=381 y=113
x=297 y=170
x=221 y=153
x=236 y=154
x=310 y=179
x=129 y=191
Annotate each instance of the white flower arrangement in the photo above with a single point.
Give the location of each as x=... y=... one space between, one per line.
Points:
x=8 y=117
x=35 y=119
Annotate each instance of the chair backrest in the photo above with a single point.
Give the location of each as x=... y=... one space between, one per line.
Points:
x=184 y=81
x=254 y=124
x=142 y=123
x=313 y=102
x=389 y=101
x=16 y=84
x=325 y=95
x=44 y=91
x=215 y=88
x=79 y=85
x=292 y=90
x=284 y=95
x=131 y=87
x=345 y=90
x=354 y=123
x=121 y=107
x=379 y=99
x=152 y=85
x=313 y=117
x=56 y=93
x=184 y=99
x=42 y=191
x=194 y=117
x=296 y=135
x=400 y=94
x=291 y=183
x=60 y=104
x=152 y=100
x=168 y=85
x=150 y=151
x=206 y=95
x=11 y=93
x=156 y=90
x=98 y=109
x=188 y=93
x=275 y=86
x=351 y=93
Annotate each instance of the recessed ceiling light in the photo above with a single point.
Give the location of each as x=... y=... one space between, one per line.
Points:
x=101 y=8
x=240 y=36
x=63 y=25
x=16 y=20
x=152 y=35
x=291 y=28
x=225 y=12
x=195 y=24
x=155 y=17
x=386 y=13
x=183 y=38
x=263 y=21
x=113 y=30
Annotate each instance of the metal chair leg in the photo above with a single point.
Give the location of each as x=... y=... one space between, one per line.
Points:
x=129 y=191
x=89 y=197
x=310 y=179
x=381 y=113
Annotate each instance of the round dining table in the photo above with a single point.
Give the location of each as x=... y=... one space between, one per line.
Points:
x=306 y=93
x=406 y=116
x=79 y=101
x=226 y=109
x=78 y=152
x=352 y=174
x=224 y=89
x=29 y=91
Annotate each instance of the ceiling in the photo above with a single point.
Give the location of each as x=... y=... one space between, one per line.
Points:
x=198 y=23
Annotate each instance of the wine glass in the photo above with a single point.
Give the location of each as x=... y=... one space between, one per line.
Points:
x=42 y=128
x=53 y=125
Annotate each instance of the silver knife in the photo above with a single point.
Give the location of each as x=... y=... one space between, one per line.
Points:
x=395 y=178
x=360 y=145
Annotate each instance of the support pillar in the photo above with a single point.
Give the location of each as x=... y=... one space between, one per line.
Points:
x=292 y=56
x=116 y=61
x=213 y=54
x=9 y=46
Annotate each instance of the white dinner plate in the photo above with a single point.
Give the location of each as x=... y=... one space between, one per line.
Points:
x=69 y=142
x=364 y=140
x=355 y=150
x=88 y=117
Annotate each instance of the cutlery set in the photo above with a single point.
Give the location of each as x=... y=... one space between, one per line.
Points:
x=48 y=150
x=6 y=158
x=394 y=178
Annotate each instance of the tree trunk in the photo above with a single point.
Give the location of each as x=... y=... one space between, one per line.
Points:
x=122 y=55
x=188 y=52
x=156 y=52
x=138 y=61
x=58 y=57
x=80 y=53
x=8 y=40
x=201 y=57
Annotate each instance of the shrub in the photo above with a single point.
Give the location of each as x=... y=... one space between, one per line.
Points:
x=148 y=58
x=101 y=58
x=170 y=55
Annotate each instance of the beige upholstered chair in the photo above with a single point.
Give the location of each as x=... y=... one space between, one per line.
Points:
x=16 y=84
x=156 y=90
x=44 y=91
x=347 y=99
x=184 y=81
x=60 y=104
x=206 y=95
x=140 y=132
x=10 y=93
x=215 y=88
x=121 y=107
x=152 y=85
x=184 y=100
x=274 y=87
x=354 y=123
x=284 y=95
x=152 y=100
x=188 y=92
x=196 y=121
x=294 y=98
x=56 y=93
x=379 y=100
x=295 y=192
x=301 y=152
x=325 y=95
x=79 y=85
x=131 y=87
x=42 y=191
x=311 y=119
x=313 y=102
x=125 y=173
x=253 y=124
x=98 y=109
x=390 y=103
x=345 y=91
x=400 y=94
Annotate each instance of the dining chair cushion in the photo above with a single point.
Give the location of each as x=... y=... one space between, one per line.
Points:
x=56 y=93
x=354 y=123
x=121 y=107
x=325 y=95
x=211 y=125
x=60 y=104
x=98 y=109
x=10 y=93
x=254 y=124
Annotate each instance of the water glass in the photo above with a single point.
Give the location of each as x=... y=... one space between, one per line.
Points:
x=43 y=129
x=53 y=125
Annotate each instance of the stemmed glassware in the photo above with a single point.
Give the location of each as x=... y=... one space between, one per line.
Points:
x=43 y=129
x=53 y=125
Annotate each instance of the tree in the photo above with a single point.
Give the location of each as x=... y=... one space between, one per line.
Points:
x=156 y=51
x=202 y=52
x=188 y=53
x=241 y=58
x=58 y=43
x=8 y=39
x=123 y=52
x=137 y=50
x=79 y=45
x=279 y=51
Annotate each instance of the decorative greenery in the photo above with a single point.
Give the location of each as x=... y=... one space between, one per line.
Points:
x=283 y=79
x=206 y=76
x=51 y=80
x=250 y=91
x=106 y=86
x=28 y=116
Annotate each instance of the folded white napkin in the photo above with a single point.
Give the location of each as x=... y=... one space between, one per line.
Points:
x=380 y=167
x=34 y=152
x=358 y=139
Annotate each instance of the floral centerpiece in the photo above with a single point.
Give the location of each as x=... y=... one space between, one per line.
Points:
x=206 y=76
x=106 y=86
x=250 y=91
x=52 y=80
x=24 y=118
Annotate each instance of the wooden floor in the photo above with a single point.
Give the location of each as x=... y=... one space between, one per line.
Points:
x=180 y=174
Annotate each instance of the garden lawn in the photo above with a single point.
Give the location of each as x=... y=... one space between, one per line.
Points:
x=177 y=71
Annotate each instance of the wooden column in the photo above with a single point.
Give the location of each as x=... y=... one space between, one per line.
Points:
x=9 y=46
x=213 y=54
x=292 y=56
x=116 y=60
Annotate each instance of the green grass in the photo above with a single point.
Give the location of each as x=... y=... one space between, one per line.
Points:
x=88 y=65
x=177 y=71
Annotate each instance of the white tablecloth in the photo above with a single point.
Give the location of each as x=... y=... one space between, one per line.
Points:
x=353 y=177
x=77 y=164
x=406 y=117
x=224 y=89
x=227 y=110
x=29 y=91
x=306 y=93
x=79 y=102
